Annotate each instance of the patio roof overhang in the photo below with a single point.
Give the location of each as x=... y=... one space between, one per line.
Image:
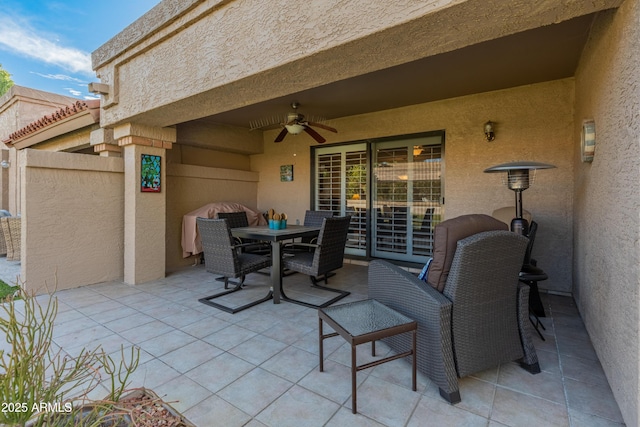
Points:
x=437 y=52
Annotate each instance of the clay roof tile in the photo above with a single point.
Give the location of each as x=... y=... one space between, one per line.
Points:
x=47 y=120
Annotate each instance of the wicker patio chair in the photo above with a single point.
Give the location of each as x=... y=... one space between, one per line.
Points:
x=239 y=219
x=15 y=228
x=327 y=255
x=3 y=241
x=477 y=322
x=11 y=232
x=222 y=256
x=314 y=218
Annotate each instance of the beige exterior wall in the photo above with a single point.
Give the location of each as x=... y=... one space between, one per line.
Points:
x=287 y=49
x=534 y=123
x=197 y=156
x=19 y=107
x=191 y=187
x=71 y=141
x=72 y=221
x=607 y=201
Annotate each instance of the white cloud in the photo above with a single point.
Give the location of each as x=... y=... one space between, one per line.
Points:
x=73 y=92
x=63 y=77
x=23 y=40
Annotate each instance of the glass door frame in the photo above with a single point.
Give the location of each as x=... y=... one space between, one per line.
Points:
x=371 y=145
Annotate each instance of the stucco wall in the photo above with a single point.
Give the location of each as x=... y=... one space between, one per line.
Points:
x=19 y=107
x=191 y=187
x=607 y=200
x=533 y=123
x=22 y=105
x=287 y=49
x=206 y=157
x=72 y=219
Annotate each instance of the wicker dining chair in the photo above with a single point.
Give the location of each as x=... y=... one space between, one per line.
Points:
x=237 y=220
x=314 y=218
x=327 y=255
x=222 y=256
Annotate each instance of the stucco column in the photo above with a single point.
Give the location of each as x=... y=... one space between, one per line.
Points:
x=103 y=143
x=144 y=212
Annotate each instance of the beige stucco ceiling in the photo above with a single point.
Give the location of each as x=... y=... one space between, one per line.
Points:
x=542 y=54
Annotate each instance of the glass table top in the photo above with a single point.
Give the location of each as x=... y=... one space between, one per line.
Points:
x=364 y=317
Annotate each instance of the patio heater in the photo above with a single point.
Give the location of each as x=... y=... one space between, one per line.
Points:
x=520 y=175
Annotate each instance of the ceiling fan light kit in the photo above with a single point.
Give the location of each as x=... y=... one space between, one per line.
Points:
x=295 y=128
x=296 y=123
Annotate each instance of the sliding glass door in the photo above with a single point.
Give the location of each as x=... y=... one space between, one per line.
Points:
x=392 y=189
x=341 y=187
x=407 y=195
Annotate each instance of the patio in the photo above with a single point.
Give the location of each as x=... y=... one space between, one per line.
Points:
x=260 y=366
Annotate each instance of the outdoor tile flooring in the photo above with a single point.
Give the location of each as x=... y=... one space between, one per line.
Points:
x=259 y=367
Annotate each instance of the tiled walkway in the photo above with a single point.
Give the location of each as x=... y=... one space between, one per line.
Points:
x=259 y=367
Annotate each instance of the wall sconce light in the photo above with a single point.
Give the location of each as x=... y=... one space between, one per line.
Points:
x=489 y=132
x=518 y=180
x=5 y=164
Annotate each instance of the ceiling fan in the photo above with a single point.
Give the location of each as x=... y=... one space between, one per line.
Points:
x=296 y=123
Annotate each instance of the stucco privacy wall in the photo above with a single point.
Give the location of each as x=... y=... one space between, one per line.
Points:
x=190 y=187
x=72 y=219
x=534 y=122
x=288 y=49
x=607 y=201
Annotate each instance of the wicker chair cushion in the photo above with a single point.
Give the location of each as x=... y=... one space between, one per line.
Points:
x=445 y=239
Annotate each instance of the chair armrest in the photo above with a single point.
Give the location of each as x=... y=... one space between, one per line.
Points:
x=385 y=277
x=405 y=293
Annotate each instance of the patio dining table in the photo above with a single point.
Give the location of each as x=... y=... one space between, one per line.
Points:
x=264 y=233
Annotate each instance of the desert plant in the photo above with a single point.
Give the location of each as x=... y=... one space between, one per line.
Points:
x=42 y=386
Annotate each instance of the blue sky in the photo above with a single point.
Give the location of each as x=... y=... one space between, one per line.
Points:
x=47 y=45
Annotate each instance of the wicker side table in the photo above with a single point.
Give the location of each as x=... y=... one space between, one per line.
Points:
x=361 y=322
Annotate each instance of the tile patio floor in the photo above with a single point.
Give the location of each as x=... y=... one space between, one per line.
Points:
x=259 y=367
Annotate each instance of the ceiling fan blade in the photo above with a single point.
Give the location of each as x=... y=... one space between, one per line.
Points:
x=321 y=126
x=315 y=135
x=281 y=135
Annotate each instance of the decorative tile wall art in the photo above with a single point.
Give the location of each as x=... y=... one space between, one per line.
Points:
x=150 y=175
